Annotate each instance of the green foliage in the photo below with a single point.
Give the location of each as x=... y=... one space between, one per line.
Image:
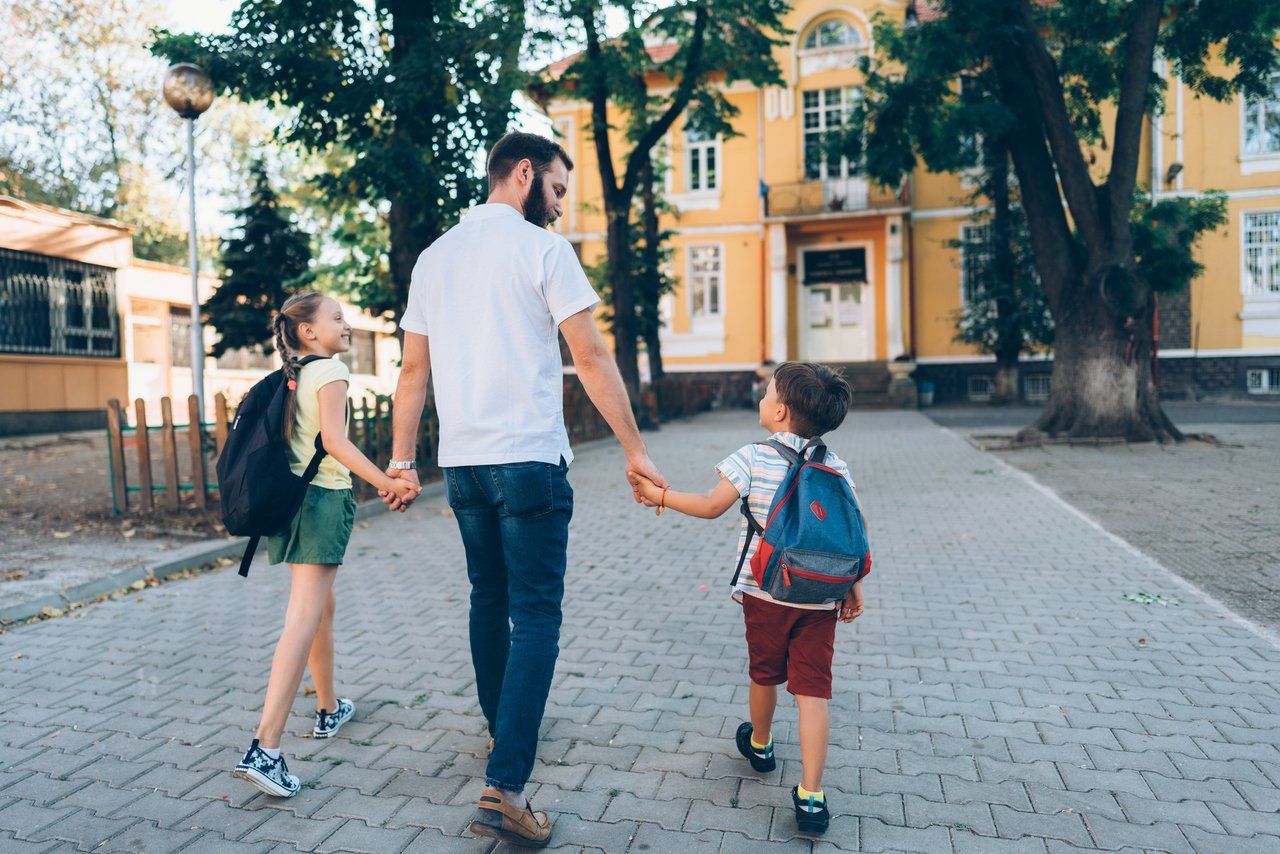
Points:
x=1165 y=233
x=913 y=107
x=399 y=100
x=263 y=264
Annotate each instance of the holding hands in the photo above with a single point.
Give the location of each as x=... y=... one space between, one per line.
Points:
x=399 y=489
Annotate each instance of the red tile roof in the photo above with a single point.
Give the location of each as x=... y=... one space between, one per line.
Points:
x=658 y=53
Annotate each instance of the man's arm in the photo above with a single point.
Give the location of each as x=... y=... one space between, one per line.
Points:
x=410 y=398
x=603 y=384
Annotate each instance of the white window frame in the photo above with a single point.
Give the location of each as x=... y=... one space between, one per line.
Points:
x=1259 y=161
x=980 y=396
x=702 y=150
x=859 y=41
x=849 y=95
x=965 y=241
x=1262 y=380
x=1037 y=387
x=692 y=279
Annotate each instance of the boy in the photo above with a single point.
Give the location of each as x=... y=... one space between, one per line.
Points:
x=785 y=642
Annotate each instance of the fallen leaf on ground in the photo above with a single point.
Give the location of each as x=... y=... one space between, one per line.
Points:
x=61 y=535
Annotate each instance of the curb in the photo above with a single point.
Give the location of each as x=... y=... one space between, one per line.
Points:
x=202 y=555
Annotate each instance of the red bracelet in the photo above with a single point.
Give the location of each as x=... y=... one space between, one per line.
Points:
x=662 y=502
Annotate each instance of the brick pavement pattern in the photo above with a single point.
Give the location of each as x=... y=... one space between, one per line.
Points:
x=998 y=696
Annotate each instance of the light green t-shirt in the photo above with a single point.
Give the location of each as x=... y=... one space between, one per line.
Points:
x=311 y=378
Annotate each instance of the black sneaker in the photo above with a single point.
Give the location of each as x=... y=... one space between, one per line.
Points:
x=270 y=775
x=812 y=815
x=328 y=723
x=761 y=760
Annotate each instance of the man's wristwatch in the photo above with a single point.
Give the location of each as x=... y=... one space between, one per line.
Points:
x=403 y=465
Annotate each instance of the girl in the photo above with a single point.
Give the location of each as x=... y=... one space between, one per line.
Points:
x=314 y=542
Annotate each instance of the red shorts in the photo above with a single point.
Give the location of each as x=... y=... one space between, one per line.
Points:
x=792 y=645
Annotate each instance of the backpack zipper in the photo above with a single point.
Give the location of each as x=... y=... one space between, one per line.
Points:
x=833 y=579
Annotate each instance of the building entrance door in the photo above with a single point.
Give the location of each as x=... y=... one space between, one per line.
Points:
x=837 y=323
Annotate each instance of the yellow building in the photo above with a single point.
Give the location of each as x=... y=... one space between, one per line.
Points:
x=781 y=254
x=82 y=321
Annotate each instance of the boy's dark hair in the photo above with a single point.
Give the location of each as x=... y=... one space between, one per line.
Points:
x=517 y=146
x=817 y=396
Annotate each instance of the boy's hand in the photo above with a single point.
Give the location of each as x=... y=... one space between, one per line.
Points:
x=650 y=493
x=851 y=608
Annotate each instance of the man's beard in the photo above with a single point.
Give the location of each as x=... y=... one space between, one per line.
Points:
x=535 y=206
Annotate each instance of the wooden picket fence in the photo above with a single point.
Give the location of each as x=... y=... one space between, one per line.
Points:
x=168 y=467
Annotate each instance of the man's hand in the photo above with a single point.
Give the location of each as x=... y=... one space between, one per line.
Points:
x=851 y=608
x=649 y=492
x=640 y=464
x=402 y=500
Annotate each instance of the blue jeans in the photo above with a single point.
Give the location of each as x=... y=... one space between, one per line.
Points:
x=514 y=521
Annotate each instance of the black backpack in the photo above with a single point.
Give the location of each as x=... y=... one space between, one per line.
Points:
x=260 y=494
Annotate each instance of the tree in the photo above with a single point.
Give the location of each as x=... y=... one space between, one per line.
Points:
x=262 y=266
x=400 y=99
x=706 y=44
x=1004 y=312
x=1055 y=66
x=78 y=97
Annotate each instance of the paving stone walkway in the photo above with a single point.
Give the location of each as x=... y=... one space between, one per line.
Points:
x=1000 y=695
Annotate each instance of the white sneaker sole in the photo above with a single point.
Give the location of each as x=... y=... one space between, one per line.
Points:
x=263 y=782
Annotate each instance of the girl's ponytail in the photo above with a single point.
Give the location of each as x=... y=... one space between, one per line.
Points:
x=299 y=308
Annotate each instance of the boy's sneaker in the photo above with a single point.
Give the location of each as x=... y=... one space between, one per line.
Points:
x=812 y=815
x=270 y=775
x=761 y=760
x=328 y=723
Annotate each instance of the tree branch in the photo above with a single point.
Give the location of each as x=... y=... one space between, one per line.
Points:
x=1073 y=172
x=1139 y=53
x=1051 y=237
x=599 y=95
x=690 y=73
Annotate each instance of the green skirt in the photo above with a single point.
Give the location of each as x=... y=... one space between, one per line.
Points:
x=319 y=531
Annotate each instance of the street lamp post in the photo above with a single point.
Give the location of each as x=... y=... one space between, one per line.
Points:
x=189 y=91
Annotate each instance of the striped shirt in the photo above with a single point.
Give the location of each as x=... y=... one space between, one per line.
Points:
x=757 y=471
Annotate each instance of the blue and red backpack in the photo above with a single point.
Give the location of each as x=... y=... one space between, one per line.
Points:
x=813 y=545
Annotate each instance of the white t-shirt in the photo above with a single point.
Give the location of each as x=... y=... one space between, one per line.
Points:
x=490 y=295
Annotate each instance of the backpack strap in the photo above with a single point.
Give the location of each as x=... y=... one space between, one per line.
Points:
x=753 y=525
x=819 y=449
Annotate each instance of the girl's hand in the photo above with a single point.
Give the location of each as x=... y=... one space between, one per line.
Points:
x=401 y=490
x=851 y=608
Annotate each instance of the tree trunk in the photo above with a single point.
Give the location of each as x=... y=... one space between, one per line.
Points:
x=409 y=236
x=1102 y=379
x=651 y=292
x=1006 y=389
x=618 y=244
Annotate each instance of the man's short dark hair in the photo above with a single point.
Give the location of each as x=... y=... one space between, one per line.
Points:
x=817 y=396
x=517 y=146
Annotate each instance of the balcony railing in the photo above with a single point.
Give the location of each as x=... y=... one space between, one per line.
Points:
x=831 y=196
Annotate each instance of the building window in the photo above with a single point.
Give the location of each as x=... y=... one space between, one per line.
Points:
x=1262 y=122
x=180 y=337
x=703 y=170
x=980 y=389
x=1036 y=387
x=975 y=260
x=55 y=307
x=1262 y=254
x=361 y=358
x=831 y=34
x=826 y=110
x=706 y=281
x=1262 y=380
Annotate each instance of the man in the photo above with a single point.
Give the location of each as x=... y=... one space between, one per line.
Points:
x=485 y=302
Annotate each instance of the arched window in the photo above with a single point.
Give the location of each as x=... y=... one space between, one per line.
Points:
x=831 y=34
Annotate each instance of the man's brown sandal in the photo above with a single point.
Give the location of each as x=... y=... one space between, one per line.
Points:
x=498 y=819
